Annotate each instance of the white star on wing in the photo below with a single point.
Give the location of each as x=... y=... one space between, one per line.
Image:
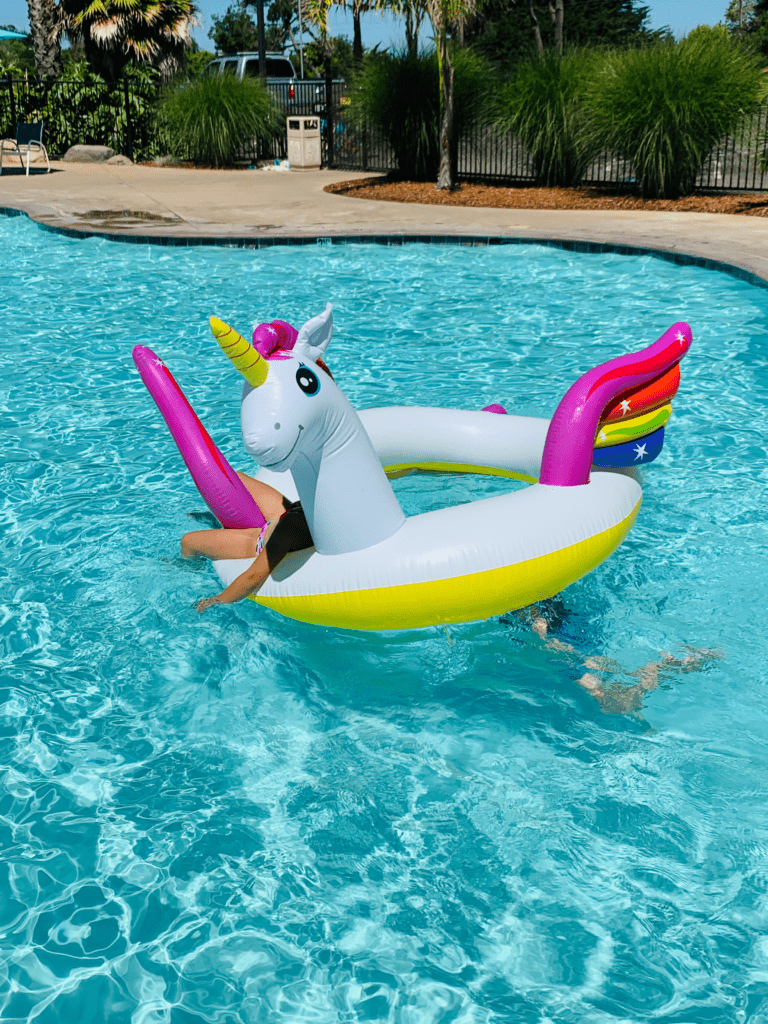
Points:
x=272 y=330
x=601 y=436
x=640 y=451
x=159 y=362
x=625 y=407
x=679 y=336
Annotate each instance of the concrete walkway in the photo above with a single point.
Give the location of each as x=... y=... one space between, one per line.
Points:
x=159 y=201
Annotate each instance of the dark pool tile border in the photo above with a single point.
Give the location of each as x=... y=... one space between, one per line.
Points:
x=267 y=242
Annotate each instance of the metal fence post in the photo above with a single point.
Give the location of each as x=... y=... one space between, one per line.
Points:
x=128 y=123
x=329 y=120
x=12 y=125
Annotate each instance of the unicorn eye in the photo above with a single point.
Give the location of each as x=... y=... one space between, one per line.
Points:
x=307 y=380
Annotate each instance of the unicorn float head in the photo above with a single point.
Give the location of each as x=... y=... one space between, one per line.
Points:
x=294 y=417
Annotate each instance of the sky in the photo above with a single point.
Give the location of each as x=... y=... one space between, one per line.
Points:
x=680 y=15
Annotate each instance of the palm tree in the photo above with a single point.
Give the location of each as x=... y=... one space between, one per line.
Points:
x=414 y=15
x=316 y=15
x=45 y=39
x=358 y=7
x=115 y=32
x=448 y=18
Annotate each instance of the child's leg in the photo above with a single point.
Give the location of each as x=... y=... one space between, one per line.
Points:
x=270 y=501
x=220 y=543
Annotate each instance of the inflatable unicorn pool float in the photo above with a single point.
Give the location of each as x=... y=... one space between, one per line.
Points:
x=371 y=567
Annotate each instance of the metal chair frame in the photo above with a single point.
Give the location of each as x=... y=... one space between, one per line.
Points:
x=27 y=136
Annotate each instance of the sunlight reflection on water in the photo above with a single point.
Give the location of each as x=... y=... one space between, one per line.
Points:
x=241 y=818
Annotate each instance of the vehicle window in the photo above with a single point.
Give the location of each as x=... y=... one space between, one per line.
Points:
x=277 y=67
x=212 y=68
x=230 y=67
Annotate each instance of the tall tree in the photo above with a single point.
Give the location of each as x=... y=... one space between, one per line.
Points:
x=741 y=16
x=358 y=8
x=449 y=19
x=17 y=56
x=505 y=31
x=283 y=27
x=234 y=30
x=414 y=16
x=117 y=32
x=45 y=38
x=754 y=21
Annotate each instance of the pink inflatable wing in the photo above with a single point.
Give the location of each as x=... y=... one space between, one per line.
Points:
x=221 y=488
x=571 y=436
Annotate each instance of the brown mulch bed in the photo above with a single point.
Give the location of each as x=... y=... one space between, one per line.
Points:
x=751 y=204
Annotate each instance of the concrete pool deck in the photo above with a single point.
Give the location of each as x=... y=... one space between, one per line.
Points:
x=174 y=202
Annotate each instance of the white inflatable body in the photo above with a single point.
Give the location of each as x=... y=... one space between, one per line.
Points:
x=460 y=563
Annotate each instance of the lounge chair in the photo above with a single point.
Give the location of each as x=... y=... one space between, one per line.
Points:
x=27 y=136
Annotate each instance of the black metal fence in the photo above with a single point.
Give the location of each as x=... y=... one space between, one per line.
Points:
x=117 y=114
x=121 y=115
x=484 y=155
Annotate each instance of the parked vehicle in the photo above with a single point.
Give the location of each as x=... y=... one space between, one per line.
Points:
x=293 y=95
x=246 y=65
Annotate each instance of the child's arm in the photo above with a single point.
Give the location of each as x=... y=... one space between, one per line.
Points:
x=247 y=582
x=282 y=541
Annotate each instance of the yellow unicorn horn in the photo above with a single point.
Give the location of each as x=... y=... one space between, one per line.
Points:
x=243 y=356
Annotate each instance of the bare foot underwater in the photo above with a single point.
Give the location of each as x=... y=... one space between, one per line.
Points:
x=600 y=682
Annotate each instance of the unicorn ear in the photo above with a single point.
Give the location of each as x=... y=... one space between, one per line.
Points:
x=315 y=336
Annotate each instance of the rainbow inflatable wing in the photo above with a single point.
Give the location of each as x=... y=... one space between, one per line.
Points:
x=631 y=431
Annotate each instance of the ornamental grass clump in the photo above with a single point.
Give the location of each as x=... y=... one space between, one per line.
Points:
x=209 y=120
x=664 y=107
x=399 y=95
x=543 y=105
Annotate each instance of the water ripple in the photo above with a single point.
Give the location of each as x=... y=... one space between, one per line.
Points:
x=242 y=819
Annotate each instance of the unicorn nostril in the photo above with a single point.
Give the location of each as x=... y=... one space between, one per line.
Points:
x=277 y=426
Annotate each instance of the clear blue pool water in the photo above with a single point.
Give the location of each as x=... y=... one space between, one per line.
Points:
x=238 y=818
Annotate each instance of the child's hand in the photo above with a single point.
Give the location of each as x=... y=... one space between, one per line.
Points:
x=206 y=603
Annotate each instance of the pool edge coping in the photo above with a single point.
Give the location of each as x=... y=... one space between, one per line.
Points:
x=397 y=238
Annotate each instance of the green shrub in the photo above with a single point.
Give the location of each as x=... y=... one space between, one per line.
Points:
x=543 y=105
x=400 y=96
x=208 y=120
x=79 y=108
x=664 y=107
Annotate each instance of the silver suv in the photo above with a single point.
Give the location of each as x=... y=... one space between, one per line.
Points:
x=246 y=65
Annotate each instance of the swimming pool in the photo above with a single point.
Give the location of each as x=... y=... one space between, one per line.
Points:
x=241 y=818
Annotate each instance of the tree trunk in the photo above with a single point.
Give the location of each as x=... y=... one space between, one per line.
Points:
x=45 y=39
x=536 y=29
x=557 y=14
x=445 y=177
x=411 y=32
x=413 y=20
x=357 y=38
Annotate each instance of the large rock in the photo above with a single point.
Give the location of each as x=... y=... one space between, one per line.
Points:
x=88 y=154
x=120 y=160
